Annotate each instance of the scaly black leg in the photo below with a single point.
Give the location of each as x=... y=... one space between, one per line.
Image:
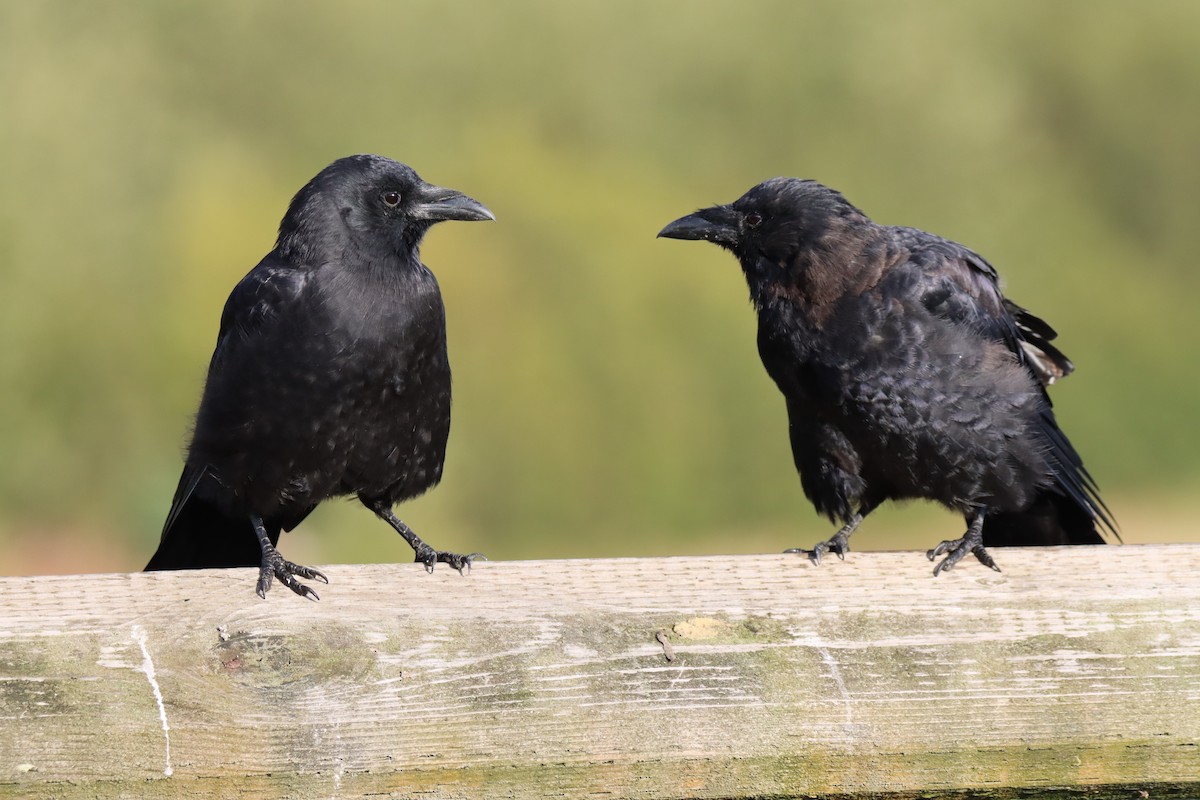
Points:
x=839 y=543
x=423 y=552
x=971 y=542
x=276 y=566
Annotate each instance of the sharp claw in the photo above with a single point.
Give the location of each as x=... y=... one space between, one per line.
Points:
x=956 y=550
x=275 y=566
x=304 y=572
x=947 y=563
x=430 y=557
x=986 y=558
x=461 y=562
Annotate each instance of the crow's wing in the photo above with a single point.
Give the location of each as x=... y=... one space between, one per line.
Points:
x=959 y=285
x=264 y=294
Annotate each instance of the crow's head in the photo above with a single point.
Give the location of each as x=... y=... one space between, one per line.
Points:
x=369 y=202
x=775 y=220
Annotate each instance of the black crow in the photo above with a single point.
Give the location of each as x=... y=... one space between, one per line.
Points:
x=330 y=376
x=906 y=373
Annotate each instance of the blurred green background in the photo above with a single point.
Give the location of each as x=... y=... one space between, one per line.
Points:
x=608 y=396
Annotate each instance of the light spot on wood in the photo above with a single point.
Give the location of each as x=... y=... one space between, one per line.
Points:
x=701 y=628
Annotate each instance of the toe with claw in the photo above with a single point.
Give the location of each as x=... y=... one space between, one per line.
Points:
x=957 y=549
x=275 y=565
x=838 y=544
x=429 y=557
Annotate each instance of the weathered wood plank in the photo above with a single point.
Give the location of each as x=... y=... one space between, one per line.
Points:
x=1076 y=667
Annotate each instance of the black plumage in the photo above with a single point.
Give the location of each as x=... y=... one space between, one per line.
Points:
x=330 y=376
x=905 y=371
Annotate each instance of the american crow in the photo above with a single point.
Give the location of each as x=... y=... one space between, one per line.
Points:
x=330 y=376
x=906 y=373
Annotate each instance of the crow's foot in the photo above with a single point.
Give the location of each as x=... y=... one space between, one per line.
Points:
x=957 y=549
x=424 y=553
x=275 y=565
x=429 y=557
x=839 y=543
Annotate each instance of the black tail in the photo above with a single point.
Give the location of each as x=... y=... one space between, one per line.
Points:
x=199 y=534
x=1054 y=518
x=1069 y=511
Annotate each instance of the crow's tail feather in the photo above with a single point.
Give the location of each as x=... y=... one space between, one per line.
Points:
x=1053 y=518
x=1069 y=511
x=199 y=534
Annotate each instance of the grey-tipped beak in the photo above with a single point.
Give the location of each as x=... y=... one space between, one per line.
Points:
x=439 y=203
x=718 y=225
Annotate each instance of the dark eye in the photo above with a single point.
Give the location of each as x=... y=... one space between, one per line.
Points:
x=753 y=219
x=391 y=199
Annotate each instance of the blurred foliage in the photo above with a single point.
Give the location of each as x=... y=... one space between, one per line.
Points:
x=609 y=400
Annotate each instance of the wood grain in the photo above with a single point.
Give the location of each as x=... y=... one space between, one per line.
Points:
x=1074 y=668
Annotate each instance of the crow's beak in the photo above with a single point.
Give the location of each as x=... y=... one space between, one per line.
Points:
x=438 y=203
x=718 y=224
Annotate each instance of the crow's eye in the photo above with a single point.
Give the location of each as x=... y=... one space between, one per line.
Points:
x=391 y=199
x=753 y=220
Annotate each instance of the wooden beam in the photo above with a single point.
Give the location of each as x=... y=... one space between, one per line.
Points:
x=762 y=676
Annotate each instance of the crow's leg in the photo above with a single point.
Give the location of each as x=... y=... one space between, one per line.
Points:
x=971 y=542
x=839 y=543
x=424 y=553
x=276 y=566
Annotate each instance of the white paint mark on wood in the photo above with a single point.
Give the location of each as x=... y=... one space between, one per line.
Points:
x=836 y=674
x=139 y=636
x=338 y=771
